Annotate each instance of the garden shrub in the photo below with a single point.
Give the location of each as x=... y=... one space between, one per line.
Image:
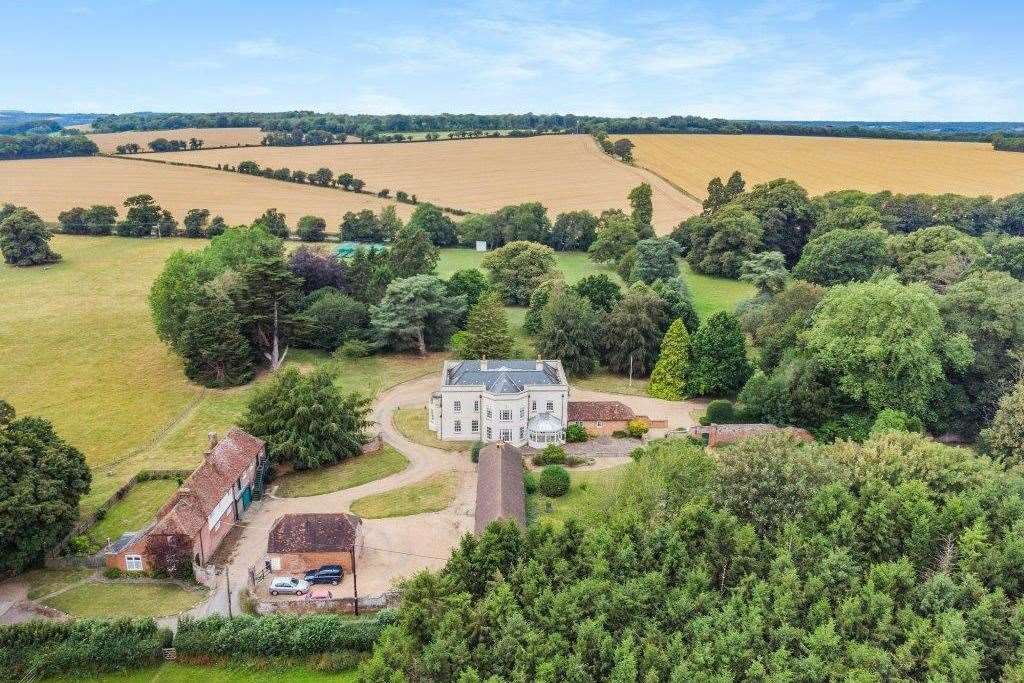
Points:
x=638 y=453
x=552 y=454
x=637 y=428
x=721 y=411
x=474 y=452
x=576 y=433
x=530 y=482
x=354 y=348
x=846 y=428
x=576 y=460
x=554 y=481
x=48 y=648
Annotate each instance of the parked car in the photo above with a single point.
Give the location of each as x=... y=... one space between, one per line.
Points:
x=288 y=585
x=329 y=573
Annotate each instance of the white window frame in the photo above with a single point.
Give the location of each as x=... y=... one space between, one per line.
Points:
x=534 y=406
x=550 y=406
x=476 y=406
x=522 y=412
x=522 y=432
x=505 y=415
x=457 y=406
x=489 y=433
x=133 y=563
x=458 y=426
x=489 y=414
x=506 y=435
x=474 y=426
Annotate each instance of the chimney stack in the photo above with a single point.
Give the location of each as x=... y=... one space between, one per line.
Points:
x=483 y=363
x=211 y=438
x=540 y=363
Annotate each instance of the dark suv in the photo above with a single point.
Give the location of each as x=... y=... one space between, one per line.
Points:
x=329 y=573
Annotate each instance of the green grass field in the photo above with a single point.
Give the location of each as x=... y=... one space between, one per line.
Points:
x=352 y=472
x=135 y=510
x=588 y=498
x=173 y=672
x=125 y=599
x=45 y=581
x=430 y=495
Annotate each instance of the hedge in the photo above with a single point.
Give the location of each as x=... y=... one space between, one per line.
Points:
x=47 y=648
x=287 y=635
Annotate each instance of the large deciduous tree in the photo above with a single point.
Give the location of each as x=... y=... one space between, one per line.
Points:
x=676 y=293
x=273 y=221
x=468 y=282
x=1004 y=437
x=573 y=231
x=785 y=213
x=142 y=217
x=840 y=256
x=435 y=223
x=416 y=312
x=642 y=210
x=766 y=271
x=101 y=219
x=616 y=235
x=195 y=222
x=600 y=290
x=517 y=268
x=655 y=259
x=311 y=229
x=720 y=244
x=306 y=420
x=939 y=256
x=885 y=344
x=330 y=318
x=42 y=478
x=24 y=238
x=318 y=268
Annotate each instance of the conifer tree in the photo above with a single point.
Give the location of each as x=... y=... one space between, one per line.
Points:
x=669 y=379
x=569 y=332
x=487 y=333
x=633 y=332
x=720 y=364
x=215 y=351
x=412 y=253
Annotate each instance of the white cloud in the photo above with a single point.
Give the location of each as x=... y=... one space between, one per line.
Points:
x=264 y=47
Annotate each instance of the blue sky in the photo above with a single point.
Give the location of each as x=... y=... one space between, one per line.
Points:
x=778 y=59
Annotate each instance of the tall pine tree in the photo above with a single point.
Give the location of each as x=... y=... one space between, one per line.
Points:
x=633 y=332
x=669 y=379
x=487 y=333
x=215 y=351
x=412 y=253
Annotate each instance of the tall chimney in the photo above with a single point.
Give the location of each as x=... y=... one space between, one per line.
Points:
x=540 y=363
x=211 y=438
x=483 y=363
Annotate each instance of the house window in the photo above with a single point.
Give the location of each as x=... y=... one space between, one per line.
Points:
x=522 y=432
x=522 y=412
x=506 y=434
x=505 y=415
x=474 y=426
x=550 y=406
x=476 y=406
x=489 y=434
x=458 y=426
x=534 y=407
x=133 y=563
x=489 y=414
x=457 y=406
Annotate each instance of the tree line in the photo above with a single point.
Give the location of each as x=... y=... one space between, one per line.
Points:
x=42 y=146
x=162 y=145
x=1006 y=143
x=367 y=126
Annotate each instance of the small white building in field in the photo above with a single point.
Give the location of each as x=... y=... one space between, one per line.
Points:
x=522 y=402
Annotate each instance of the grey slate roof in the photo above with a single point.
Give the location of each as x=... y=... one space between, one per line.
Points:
x=502 y=376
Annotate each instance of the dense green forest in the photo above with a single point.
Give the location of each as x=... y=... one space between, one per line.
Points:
x=894 y=560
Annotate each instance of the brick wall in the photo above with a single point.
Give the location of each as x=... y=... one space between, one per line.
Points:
x=300 y=562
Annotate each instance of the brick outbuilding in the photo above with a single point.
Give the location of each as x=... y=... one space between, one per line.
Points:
x=298 y=542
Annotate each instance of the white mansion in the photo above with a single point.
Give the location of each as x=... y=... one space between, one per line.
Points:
x=522 y=402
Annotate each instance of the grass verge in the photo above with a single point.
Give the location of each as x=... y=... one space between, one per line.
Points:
x=412 y=424
x=173 y=672
x=45 y=581
x=352 y=472
x=429 y=495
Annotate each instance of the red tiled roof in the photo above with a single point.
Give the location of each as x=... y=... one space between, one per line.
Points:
x=313 y=533
x=188 y=509
x=499 y=486
x=589 y=411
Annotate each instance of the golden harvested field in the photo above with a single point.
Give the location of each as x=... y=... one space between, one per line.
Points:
x=563 y=172
x=825 y=164
x=211 y=137
x=49 y=186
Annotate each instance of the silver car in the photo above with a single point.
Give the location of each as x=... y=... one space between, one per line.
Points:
x=288 y=585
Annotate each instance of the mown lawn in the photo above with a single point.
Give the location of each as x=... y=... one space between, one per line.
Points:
x=135 y=510
x=125 y=598
x=412 y=423
x=173 y=672
x=352 y=472
x=589 y=496
x=605 y=380
x=45 y=581
x=434 y=493
x=575 y=265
